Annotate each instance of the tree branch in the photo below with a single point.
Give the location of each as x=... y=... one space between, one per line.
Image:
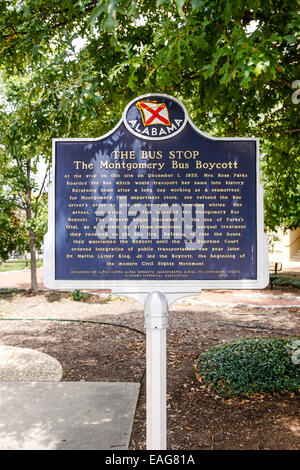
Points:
x=43 y=184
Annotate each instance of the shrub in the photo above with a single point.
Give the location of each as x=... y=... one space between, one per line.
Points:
x=288 y=281
x=249 y=366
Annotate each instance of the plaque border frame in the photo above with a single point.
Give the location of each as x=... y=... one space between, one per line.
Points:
x=175 y=286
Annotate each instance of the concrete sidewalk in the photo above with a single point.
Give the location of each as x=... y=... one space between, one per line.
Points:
x=66 y=415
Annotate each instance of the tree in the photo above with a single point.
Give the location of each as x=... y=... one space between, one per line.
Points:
x=232 y=63
x=12 y=232
x=23 y=220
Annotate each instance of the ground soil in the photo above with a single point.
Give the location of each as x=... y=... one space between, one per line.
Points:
x=197 y=419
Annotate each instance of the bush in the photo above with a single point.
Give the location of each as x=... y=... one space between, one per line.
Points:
x=78 y=295
x=249 y=366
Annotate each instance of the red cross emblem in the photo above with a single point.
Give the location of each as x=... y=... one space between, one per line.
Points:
x=153 y=113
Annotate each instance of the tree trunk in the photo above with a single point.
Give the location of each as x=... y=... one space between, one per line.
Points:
x=31 y=232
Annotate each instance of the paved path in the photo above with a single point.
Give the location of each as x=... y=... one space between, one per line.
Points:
x=38 y=412
x=87 y=415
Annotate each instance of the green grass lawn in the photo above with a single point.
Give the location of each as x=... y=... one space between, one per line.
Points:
x=18 y=265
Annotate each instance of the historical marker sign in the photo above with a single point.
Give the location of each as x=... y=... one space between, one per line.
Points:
x=156 y=204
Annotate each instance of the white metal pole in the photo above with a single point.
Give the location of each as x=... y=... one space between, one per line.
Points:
x=156 y=322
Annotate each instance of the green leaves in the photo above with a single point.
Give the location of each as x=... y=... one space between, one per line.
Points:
x=26 y=10
x=108 y=10
x=95 y=13
x=227 y=12
x=179 y=5
x=232 y=63
x=77 y=295
x=249 y=366
x=197 y=4
x=12 y=230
